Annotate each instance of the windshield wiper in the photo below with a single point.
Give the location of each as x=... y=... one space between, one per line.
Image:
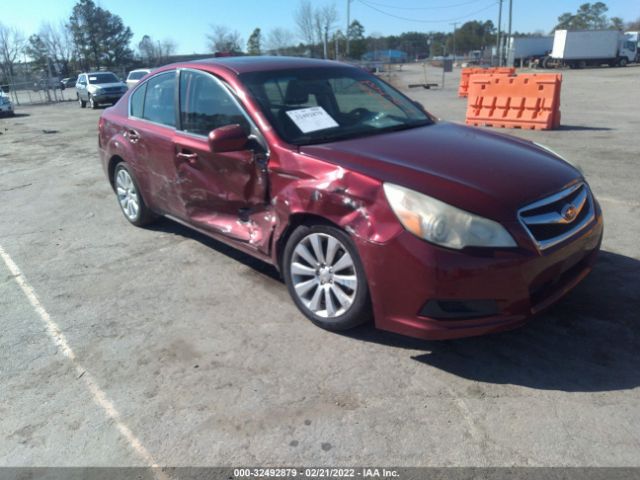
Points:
x=357 y=134
x=404 y=126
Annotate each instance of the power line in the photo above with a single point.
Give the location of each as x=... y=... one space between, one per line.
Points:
x=434 y=7
x=446 y=20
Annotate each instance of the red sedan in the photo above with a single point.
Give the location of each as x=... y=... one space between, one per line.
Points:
x=367 y=205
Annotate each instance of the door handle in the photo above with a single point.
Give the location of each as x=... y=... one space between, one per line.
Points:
x=132 y=135
x=190 y=158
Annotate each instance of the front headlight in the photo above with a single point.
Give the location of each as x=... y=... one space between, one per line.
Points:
x=96 y=90
x=443 y=224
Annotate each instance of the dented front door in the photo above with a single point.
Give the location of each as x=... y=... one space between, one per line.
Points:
x=218 y=191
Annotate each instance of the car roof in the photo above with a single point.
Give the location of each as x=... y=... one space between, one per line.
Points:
x=264 y=63
x=140 y=70
x=95 y=73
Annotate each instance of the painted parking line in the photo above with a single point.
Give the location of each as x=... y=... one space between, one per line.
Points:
x=99 y=396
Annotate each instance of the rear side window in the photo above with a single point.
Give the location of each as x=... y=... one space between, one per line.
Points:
x=159 y=100
x=206 y=105
x=137 y=101
x=136 y=75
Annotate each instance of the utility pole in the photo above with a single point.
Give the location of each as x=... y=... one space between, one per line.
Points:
x=348 y=24
x=325 y=40
x=499 y=47
x=509 y=34
x=455 y=26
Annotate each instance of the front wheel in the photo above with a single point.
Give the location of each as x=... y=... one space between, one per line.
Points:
x=92 y=103
x=81 y=102
x=325 y=277
x=623 y=62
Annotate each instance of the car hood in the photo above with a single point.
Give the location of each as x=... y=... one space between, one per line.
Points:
x=486 y=173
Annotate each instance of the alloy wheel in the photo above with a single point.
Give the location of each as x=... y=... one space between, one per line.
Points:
x=323 y=275
x=127 y=195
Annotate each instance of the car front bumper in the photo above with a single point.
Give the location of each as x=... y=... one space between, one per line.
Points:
x=6 y=109
x=425 y=291
x=107 y=97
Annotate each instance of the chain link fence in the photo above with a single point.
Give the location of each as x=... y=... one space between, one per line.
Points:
x=33 y=93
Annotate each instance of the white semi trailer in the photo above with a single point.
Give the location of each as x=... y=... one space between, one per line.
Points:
x=578 y=49
x=523 y=50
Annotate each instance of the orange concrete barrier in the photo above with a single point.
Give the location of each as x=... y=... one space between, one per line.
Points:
x=467 y=72
x=530 y=101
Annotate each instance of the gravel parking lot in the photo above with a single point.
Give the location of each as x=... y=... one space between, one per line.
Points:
x=126 y=346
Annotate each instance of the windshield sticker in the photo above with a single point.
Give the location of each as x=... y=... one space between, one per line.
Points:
x=312 y=119
x=93 y=78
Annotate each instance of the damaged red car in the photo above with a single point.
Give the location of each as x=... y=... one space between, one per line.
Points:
x=368 y=205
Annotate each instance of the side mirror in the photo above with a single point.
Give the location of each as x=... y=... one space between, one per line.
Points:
x=229 y=138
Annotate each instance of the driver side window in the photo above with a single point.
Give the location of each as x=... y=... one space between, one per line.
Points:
x=206 y=105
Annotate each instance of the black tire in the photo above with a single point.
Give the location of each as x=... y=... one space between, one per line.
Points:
x=92 y=103
x=82 y=103
x=359 y=311
x=622 y=62
x=144 y=215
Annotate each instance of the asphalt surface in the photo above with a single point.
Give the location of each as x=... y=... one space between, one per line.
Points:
x=127 y=346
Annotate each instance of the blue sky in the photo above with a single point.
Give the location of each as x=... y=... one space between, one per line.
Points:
x=188 y=21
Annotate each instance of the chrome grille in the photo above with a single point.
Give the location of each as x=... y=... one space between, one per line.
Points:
x=554 y=219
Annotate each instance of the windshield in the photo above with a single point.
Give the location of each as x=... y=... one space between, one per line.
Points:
x=317 y=105
x=136 y=75
x=103 y=78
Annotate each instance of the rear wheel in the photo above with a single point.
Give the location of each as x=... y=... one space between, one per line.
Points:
x=129 y=197
x=325 y=277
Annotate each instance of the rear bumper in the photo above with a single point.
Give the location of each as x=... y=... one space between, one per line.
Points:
x=407 y=274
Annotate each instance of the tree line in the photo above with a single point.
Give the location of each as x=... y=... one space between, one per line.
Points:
x=93 y=37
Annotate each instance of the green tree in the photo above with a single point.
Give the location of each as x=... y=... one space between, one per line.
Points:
x=589 y=16
x=357 y=43
x=37 y=50
x=254 y=43
x=617 y=23
x=100 y=37
x=473 y=35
